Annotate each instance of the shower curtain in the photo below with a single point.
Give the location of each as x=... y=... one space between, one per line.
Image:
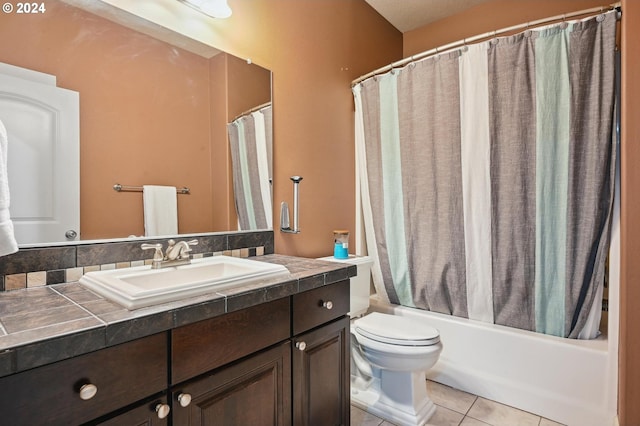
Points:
x=250 y=139
x=487 y=176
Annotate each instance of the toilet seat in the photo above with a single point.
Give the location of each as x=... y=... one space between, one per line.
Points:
x=396 y=330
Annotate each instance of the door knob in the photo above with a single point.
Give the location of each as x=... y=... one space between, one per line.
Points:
x=301 y=346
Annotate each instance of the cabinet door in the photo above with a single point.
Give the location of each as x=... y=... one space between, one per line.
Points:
x=321 y=375
x=255 y=391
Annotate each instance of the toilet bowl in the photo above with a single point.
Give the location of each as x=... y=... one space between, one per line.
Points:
x=389 y=357
x=399 y=351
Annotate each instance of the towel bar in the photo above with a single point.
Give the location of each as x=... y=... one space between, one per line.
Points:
x=126 y=188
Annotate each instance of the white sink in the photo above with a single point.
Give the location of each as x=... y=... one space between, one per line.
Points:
x=142 y=286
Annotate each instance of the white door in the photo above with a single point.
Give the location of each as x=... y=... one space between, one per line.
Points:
x=43 y=127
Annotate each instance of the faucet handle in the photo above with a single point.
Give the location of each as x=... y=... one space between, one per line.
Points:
x=184 y=253
x=157 y=256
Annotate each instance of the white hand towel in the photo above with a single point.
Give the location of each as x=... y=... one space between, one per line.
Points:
x=8 y=242
x=160 y=210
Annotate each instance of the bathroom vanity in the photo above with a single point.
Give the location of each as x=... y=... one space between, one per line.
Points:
x=276 y=353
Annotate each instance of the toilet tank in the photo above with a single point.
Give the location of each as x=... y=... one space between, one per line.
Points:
x=360 y=284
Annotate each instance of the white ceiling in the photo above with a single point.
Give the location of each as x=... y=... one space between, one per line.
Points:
x=407 y=15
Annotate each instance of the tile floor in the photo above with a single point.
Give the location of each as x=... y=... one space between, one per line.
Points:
x=457 y=408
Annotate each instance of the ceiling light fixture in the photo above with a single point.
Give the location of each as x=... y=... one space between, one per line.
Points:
x=213 y=8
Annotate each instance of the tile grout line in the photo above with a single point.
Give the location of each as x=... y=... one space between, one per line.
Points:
x=17 y=333
x=80 y=306
x=471 y=406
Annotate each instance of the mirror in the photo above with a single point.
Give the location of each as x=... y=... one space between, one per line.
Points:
x=151 y=113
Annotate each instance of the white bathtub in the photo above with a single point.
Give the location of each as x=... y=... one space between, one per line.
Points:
x=565 y=380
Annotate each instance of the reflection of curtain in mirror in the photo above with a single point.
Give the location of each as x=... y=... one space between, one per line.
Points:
x=251 y=151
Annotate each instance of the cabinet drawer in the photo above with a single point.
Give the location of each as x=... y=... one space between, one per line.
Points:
x=51 y=394
x=310 y=309
x=205 y=345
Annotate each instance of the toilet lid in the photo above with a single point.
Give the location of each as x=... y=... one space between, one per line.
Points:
x=396 y=330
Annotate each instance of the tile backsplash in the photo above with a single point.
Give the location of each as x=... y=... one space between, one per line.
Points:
x=33 y=267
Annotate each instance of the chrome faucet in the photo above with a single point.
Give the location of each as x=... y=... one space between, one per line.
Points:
x=177 y=253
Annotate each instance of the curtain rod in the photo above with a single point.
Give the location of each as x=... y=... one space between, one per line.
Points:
x=254 y=109
x=456 y=44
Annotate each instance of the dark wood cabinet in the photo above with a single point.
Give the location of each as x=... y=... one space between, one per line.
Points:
x=255 y=391
x=321 y=357
x=303 y=381
x=281 y=362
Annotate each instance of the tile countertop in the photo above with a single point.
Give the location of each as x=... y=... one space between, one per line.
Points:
x=42 y=325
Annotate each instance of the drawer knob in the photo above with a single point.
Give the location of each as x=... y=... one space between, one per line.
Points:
x=88 y=391
x=301 y=346
x=163 y=410
x=328 y=304
x=184 y=399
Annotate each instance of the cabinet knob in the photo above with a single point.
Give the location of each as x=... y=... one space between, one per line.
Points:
x=88 y=391
x=301 y=346
x=184 y=399
x=163 y=410
x=328 y=304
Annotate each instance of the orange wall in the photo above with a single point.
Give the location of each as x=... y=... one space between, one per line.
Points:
x=248 y=85
x=504 y=13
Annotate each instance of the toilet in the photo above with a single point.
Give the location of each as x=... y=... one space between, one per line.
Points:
x=389 y=356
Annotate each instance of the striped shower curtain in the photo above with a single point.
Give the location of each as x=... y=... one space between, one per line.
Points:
x=487 y=178
x=250 y=139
